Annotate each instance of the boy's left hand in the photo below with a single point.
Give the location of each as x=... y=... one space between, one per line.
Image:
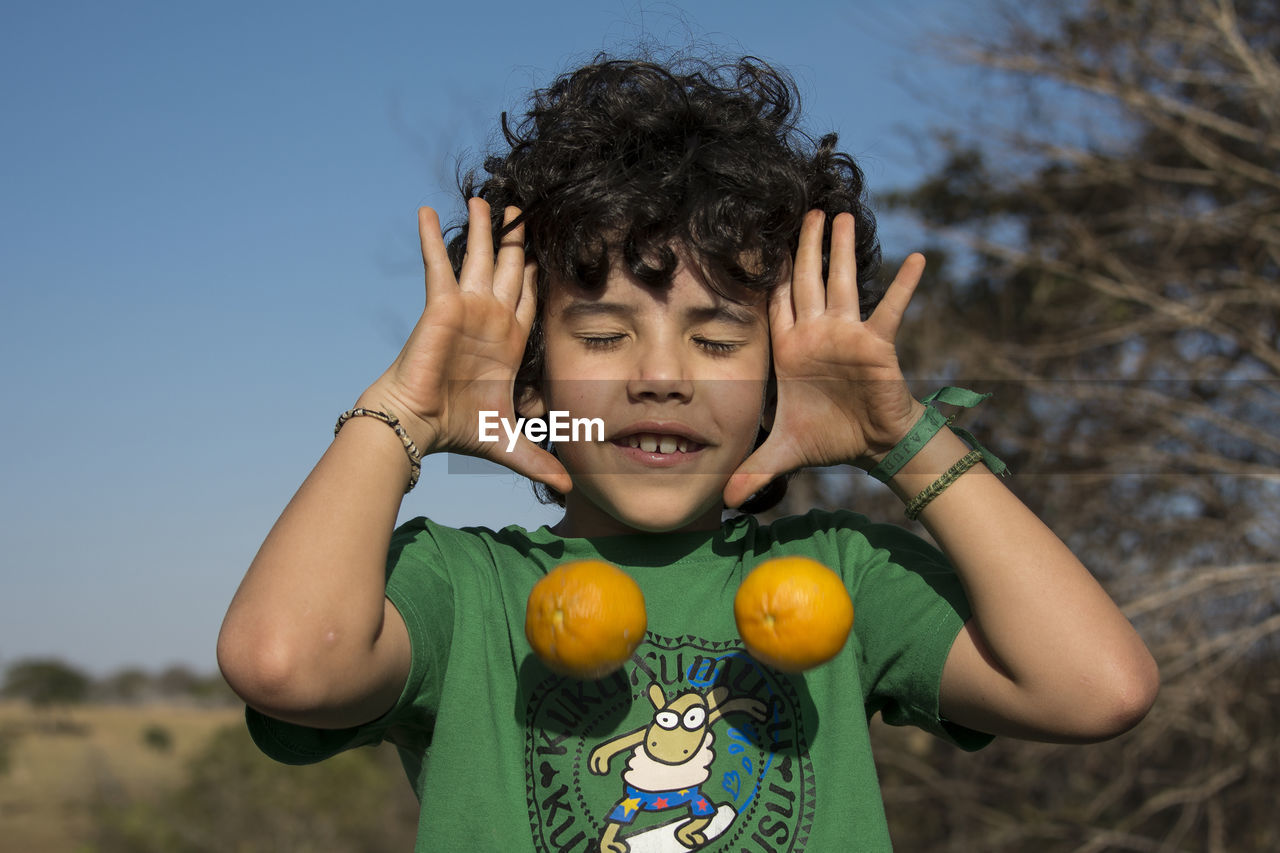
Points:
x=842 y=397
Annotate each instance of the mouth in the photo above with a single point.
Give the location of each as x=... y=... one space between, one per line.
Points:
x=650 y=442
x=659 y=445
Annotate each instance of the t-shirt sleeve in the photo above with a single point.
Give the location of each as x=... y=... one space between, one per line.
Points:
x=909 y=606
x=420 y=591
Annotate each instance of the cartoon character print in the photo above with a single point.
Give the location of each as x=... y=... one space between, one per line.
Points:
x=670 y=760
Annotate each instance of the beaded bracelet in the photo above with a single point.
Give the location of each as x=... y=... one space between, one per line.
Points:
x=938 y=486
x=415 y=458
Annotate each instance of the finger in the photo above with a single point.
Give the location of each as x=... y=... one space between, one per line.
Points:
x=782 y=313
x=435 y=259
x=508 y=272
x=477 y=266
x=806 y=277
x=527 y=307
x=756 y=472
x=842 y=271
x=532 y=461
x=743 y=485
x=887 y=317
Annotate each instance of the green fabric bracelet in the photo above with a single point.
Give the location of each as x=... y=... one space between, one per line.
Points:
x=989 y=459
x=928 y=426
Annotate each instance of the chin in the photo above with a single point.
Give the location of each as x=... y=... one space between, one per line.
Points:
x=660 y=510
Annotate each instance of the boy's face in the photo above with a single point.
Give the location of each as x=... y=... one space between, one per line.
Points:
x=677 y=370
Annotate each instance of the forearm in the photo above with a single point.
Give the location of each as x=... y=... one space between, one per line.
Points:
x=305 y=625
x=1067 y=654
x=310 y=636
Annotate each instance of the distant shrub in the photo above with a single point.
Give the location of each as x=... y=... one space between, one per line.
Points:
x=133 y=685
x=177 y=680
x=158 y=737
x=126 y=685
x=235 y=798
x=212 y=690
x=6 y=753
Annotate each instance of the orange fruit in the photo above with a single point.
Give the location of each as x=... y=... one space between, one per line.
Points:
x=585 y=618
x=793 y=613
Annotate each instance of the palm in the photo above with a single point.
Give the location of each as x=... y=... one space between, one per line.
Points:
x=841 y=392
x=837 y=384
x=461 y=359
x=463 y=354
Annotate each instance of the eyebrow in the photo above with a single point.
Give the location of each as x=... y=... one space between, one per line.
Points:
x=723 y=312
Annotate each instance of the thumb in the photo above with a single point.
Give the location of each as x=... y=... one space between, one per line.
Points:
x=757 y=471
x=530 y=460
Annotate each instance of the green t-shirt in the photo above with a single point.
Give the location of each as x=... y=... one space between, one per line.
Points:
x=498 y=748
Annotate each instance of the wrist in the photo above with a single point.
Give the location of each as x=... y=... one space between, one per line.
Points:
x=421 y=431
x=927 y=427
x=411 y=453
x=920 y=425
x=938 y=454
x=895 y=437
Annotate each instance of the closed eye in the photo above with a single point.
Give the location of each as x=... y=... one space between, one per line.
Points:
x=600 y=342
x=716 y=347
x=605 y=342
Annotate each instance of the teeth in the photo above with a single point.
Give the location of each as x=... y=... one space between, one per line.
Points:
x=654 y=443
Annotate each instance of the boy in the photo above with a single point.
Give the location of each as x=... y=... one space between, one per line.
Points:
x=661 y=249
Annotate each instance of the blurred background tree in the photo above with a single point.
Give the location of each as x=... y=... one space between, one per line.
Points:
x=50 y=681
x=44 y=682
x=1107 y=259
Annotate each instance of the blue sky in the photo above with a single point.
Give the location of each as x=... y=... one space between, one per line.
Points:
x=208 y=249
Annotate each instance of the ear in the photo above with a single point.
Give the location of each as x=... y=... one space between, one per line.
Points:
x=656 y=697
x=529 y=401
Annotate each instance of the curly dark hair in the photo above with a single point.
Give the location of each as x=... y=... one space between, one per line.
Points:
x=623 y=159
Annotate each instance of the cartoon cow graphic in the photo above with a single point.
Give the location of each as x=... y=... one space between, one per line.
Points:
x=670 y=760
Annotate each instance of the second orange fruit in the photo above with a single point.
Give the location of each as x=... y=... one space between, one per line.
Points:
x=793 y=613
x=585 y=618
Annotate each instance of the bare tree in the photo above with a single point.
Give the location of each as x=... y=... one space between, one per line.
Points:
x=1113 y=275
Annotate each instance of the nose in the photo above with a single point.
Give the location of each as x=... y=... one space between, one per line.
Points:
x=658 y=375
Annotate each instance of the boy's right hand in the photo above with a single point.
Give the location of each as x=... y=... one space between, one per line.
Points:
x=463 y=354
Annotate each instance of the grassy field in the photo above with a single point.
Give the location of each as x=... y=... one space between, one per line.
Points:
x=56 y=765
